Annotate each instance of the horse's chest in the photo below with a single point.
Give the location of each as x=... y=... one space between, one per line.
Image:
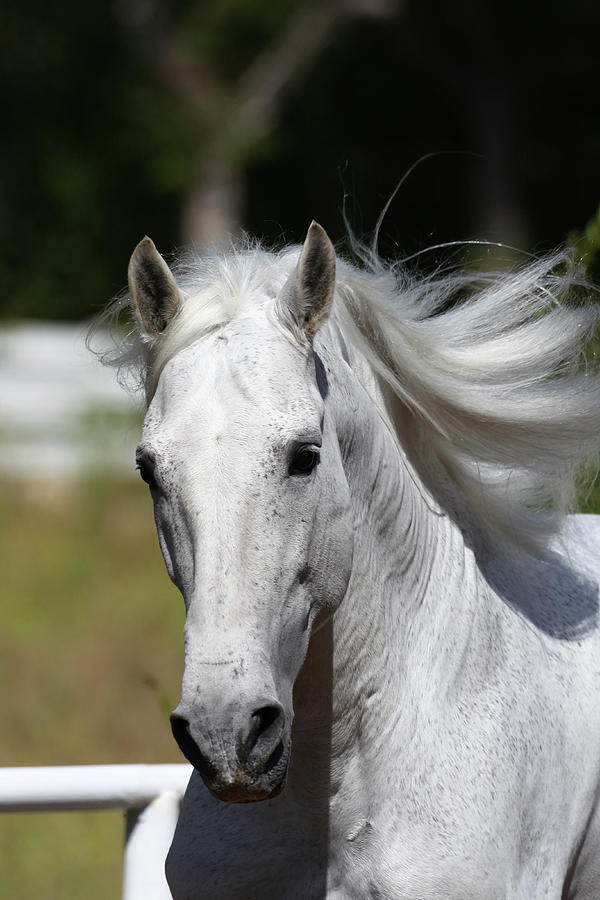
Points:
x=380 y=864
x=235 y=852
x=279 y=850
x=280 y=853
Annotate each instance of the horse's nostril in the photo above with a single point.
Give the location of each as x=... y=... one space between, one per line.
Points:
x=264 y=732
x=180 y=727
x=266 y=716
x=181 y=732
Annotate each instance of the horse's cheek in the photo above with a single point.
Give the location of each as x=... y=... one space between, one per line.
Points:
x=334 y=547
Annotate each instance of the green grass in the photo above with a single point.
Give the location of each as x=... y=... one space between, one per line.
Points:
x=47 y=856
x=90 y=660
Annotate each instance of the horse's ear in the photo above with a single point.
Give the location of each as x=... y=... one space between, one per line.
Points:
x=309 y=291
x=154 y=292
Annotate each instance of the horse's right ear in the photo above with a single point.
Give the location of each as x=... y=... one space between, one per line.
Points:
x=154 y=293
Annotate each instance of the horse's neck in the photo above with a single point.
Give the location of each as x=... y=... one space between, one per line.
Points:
x=403 y=627
x=402 y=632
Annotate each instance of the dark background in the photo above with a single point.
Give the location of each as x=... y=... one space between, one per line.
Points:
x=190 y=120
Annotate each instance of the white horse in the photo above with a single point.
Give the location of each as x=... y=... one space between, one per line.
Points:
x=360 y=482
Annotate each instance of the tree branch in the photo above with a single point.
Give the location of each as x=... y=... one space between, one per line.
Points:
x=264 y=85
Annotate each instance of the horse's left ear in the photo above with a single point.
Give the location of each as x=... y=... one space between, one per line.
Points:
x=309 y=291
x=154 y=293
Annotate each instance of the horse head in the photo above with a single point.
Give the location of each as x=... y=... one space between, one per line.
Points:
x=252 y=507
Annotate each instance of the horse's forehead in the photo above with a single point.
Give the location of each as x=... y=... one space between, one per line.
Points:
x=243 y=367
x=250 y=353
x=252 y=349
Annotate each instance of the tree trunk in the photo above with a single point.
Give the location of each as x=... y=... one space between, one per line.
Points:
x=212 y=206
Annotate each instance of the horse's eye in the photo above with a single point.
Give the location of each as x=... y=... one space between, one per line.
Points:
x=146 y=470
x=304 y=461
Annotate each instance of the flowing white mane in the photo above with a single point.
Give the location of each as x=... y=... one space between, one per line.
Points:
x=493 y=366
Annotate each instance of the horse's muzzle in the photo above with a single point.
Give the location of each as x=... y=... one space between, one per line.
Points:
x=240 y=762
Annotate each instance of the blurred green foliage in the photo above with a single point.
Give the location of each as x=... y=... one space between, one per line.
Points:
x=99 y=149
x=586 y=246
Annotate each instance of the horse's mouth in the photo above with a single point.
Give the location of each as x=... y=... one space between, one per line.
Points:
x=237 y=794
x=247 y=786
x=242 y=789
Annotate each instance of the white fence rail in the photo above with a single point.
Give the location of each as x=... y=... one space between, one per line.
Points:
x=151 y=795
